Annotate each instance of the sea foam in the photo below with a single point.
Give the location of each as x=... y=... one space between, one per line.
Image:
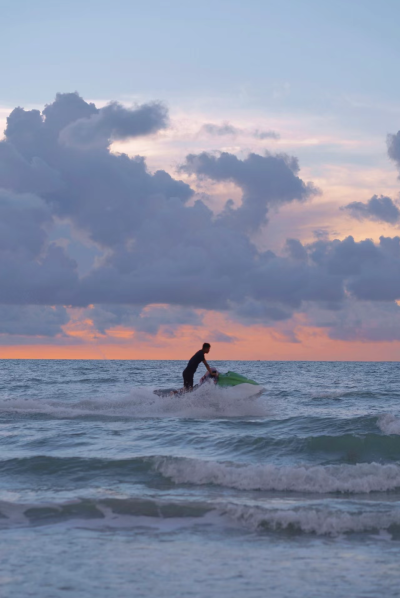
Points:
x=206 y=402
x=389 y=424
x=320 y=521
x=344 y=478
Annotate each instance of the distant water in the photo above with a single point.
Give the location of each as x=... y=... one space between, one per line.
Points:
x=109 y=490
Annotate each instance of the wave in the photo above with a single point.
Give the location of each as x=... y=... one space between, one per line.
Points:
x=84 y=468
x=350 y=447
x=107 y=512
x=359 y=478
x=169 y=515
x=208 y=402
x=320 y=521
x=389 y=424
x=349 y=468
x=355 y=448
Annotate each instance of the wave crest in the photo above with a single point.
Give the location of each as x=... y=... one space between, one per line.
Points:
x=359 y=478
x=389 y=424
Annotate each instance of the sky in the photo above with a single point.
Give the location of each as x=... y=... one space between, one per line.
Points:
x=179 y=173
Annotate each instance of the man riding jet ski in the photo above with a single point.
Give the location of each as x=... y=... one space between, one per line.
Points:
x=193 y=364
x=212 y=376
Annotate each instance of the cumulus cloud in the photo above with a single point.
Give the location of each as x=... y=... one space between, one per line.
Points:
x=156 y=246
x=381 y=209
x=296 y=250
x=115 y=122
x=31 y=269
x=265 y=181
x=393 y=142
x=32 y=320
x=148 y=320
x=364 y=321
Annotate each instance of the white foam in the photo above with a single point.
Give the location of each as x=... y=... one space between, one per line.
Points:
x=206 y=402
x=359 y=478
x=313 y=520
x=389 y=424
x=310 y=519
x=315 y=517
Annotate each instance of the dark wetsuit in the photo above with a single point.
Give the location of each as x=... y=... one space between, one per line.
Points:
x=191 y=368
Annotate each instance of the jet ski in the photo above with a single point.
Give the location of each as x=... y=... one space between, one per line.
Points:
x=243 y=386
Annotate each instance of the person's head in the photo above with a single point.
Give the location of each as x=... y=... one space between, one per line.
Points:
x=206 y=347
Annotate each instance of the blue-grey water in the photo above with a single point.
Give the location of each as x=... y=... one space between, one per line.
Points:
x=109 y=490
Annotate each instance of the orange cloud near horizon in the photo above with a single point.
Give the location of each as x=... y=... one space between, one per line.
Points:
x=248 y=343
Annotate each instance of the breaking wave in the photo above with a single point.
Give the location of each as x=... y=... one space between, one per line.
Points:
x=320 y=521
x=359 y=478
x=168 y=516
x=389 y=424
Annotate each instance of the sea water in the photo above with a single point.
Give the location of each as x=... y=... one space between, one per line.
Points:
x=109 y=490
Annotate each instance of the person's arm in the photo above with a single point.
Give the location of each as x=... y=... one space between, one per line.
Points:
x=208 y=367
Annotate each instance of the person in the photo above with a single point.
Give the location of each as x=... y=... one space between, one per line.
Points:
x=207 y=376
x=193 y=364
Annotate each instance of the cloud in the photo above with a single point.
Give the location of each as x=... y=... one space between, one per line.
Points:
x=32 y=320
x=365 y=321
x=393 y=142
x=260 y=134
x=31 y=269
x=114 y=122
x=221 y=337
x=162 y=257
x=368 y=271
x=227 y=128
x=220 y=130
x=265 y=181
x=148 y=320
x=381 y=208
x=296 y=250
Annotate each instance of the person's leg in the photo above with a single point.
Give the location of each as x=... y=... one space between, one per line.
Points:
x=187 y=381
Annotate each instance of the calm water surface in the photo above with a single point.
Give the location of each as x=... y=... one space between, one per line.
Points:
x=109 y=490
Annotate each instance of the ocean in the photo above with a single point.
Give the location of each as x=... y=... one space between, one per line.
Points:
x=109 y=490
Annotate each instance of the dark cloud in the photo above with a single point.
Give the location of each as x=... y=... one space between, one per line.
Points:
x=32 y=320
x=252 y=311
x=296 y=250
x=368 y=271
x=146 y=320
x=393 y=142
x=260 y=134
x=155 y=246
x=265 y=181
x=363 y=321
x=220 y=130
x=31 y=269
x=221 y=337
x=105 y=195
x=115 y=122
x=380 y=208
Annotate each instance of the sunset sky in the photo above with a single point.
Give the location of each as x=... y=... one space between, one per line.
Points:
x=177 y=172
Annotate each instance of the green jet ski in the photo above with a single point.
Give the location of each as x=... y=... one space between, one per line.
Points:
x=244 y=386
x=233 y=379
